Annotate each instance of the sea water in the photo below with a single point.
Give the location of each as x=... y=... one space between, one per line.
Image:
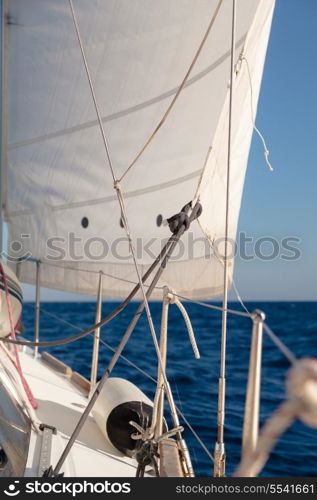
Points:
x=195 y=382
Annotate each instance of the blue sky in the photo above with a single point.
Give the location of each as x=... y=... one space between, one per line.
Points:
x=282 y=203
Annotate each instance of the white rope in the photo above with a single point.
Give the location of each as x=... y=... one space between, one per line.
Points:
x=302 y=404
x=179 y=90
x=177 y=302
x=276 y=340
x=138 y=369
x=266 y=150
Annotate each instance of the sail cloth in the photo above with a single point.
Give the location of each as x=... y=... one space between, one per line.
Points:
x=60 y=204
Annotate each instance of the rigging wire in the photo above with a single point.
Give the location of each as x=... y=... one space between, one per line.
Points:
x=266 y=150
x=117 y=353
x=91 y=271
x=282 y=347
x=160 y=259
x=119 y=193
x=212 y=306
x=179 y=90
x=275 y=339
x=137 y=368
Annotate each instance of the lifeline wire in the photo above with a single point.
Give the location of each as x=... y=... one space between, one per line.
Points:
x=106 y=319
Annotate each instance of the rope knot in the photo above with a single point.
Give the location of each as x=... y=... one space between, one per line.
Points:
x=183 y=219
x=170 y=294
x=302 y=389
x=177 y=221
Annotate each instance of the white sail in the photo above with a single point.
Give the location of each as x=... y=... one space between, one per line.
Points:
x=56 y=176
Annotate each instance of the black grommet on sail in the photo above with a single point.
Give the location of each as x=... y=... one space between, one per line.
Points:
x=84 y=222
x=159 y=220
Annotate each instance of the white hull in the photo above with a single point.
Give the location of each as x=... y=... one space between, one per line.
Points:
x=60 y=404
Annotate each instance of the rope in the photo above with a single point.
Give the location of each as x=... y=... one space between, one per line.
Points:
x=124 y=219
x=138 y=369
x=147 y=455
x=180 y=88
x=144 y=293
x=181 y=308
x=266 y=151
x=302 y=403
x=148 y=451
x=16 y=363
x=119 y=350
x=290 y=356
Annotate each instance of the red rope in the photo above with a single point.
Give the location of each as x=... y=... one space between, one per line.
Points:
x=17 y=363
